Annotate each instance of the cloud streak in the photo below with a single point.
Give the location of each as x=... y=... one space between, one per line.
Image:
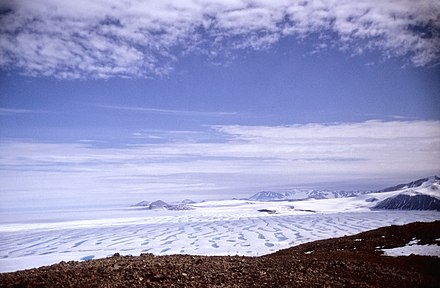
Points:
x=244 y=160
x=103 y=39
x=13 y=111
x=188 y=113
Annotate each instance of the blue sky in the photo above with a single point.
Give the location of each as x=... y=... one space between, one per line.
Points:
x=120 y=102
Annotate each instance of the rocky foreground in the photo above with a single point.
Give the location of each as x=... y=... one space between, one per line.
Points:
x=352 y=261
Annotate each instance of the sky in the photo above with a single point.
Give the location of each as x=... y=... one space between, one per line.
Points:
x=114 y=102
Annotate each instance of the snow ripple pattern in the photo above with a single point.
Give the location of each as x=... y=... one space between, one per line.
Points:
x=195 y=235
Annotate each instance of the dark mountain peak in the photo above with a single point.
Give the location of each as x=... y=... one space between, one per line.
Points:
x=416 y=201
x=158 y=204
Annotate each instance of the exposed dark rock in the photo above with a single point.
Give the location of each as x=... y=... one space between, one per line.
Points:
x=268 y=211
x=410 y=202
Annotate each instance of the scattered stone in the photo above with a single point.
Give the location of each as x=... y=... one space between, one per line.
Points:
x=267 y=211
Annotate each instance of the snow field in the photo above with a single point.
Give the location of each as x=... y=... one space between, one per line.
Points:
x=25 y=246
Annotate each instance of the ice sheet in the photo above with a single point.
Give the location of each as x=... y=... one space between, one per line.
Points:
x=232 y=228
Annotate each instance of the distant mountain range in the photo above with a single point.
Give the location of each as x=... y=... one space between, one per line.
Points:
x=421 y=183
x=303 y=194
x=422 y=194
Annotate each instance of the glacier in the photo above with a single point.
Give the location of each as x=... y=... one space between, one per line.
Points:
x=223 y=227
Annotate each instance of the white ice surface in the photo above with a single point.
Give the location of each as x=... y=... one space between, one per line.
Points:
x=212 y=228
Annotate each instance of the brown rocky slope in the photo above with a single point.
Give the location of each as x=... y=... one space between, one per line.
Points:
x=351 y=261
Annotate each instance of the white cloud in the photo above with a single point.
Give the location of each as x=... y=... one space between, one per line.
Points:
x=244 y=160
x=102 y=39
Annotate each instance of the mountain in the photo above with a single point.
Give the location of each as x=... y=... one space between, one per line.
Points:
x=187 y=201
x=410 y=202
x=422 y=194
x=303 y=194
x=142 y=204
x=159 y=204
x=329 y=194
x=268 y=196
x=418 y=183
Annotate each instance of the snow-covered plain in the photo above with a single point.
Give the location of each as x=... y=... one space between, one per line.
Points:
x=227 y=227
